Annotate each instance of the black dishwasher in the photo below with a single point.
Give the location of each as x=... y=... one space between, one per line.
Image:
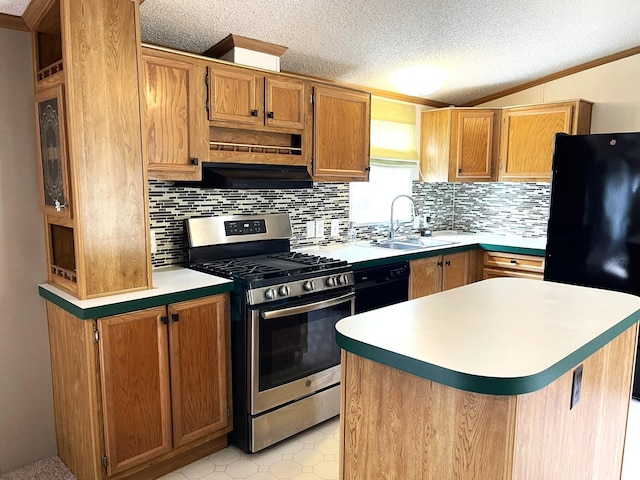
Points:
x=378 y=287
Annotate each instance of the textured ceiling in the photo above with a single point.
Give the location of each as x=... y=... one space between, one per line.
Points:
x=484 y=46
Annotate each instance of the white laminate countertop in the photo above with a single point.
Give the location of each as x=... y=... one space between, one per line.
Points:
x=362 y=251
x=170 y=284
x=498 y=336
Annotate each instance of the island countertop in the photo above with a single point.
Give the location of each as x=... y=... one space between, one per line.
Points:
x=503 y=336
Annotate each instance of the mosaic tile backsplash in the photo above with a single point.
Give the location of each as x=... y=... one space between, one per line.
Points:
x=501 y=208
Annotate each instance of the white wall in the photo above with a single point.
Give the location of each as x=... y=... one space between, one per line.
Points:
x=26 y=411
x=613 y=87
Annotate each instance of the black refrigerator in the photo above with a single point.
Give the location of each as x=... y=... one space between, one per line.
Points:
x=593 y=236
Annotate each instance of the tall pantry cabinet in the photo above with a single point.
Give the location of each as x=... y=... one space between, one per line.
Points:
x=88 y=125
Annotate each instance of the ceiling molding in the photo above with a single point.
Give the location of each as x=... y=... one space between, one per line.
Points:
x=374 y=91
x=35 y=11
x=555 y=76
x=13 y=22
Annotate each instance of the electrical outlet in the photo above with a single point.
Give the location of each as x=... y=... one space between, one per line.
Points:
x=154 y=246
x=576 y=388
x=319 y=228
x=311 y=229
x=335 y=227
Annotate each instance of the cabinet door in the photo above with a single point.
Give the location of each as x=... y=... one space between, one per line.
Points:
x=176 y=129
x=284 y=103
x=474 y=145
x=199 y=346
x=52 y=152
x=528 y=135
x=134 y=370
x=455 y=270
x=236 y=95
x=426 y=277
x=341 y=124
x=435 y=128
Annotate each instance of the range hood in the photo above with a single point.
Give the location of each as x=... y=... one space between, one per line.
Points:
x=252 y=176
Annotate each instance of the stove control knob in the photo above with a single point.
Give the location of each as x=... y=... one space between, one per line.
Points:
x=283 y=291
x=270 y=293
x=308 y=286
x=342 y=279
x=330 y=282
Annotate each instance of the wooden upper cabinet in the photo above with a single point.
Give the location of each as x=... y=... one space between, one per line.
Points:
x=474 y=145
x=176 y=132
x=242 y=96
x=459 y=144
x=528 y=136
x=199 y=353
x=134 y=370
x=236 y=95
x=341 y=126
x=52 y=152
x=284 y=102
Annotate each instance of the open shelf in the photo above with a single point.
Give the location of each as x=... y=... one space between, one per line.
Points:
x=249 y=148
x=48 y=42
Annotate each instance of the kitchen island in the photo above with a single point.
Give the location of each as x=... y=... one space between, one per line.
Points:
x=478 y=383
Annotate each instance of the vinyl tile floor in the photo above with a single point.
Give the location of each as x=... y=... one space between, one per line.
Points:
x=310 y=455
x=313 y=455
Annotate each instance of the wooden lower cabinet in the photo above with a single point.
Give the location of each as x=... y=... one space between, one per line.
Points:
x=154 y=389
x=498 y=264
x=435 y=274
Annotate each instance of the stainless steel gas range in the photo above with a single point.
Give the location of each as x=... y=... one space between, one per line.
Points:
x=285 y=361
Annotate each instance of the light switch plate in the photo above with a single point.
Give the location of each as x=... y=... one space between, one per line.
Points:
x=319 y=228
x=154 y=246
x=335 y=227
x=576 y=387
x=311 y=229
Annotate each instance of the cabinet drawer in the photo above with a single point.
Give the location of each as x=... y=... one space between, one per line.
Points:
x=512 y=261
x=499 y=272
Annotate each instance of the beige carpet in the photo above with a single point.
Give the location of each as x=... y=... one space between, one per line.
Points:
x=50 y=468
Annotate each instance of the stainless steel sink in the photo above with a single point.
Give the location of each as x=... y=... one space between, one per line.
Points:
x=410 y=243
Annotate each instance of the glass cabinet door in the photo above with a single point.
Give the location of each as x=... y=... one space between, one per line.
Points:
x=52 y=152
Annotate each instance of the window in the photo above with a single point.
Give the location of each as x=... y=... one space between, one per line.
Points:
x=370 y=202
x=394 y=164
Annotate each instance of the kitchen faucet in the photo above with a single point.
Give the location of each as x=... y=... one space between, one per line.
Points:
x=415 y=213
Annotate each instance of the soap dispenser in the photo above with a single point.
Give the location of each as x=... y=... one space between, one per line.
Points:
x=425 y=231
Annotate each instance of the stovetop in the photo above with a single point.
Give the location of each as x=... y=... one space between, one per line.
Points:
x=281 y=265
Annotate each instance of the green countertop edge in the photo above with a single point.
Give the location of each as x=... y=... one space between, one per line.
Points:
x=132 y=305
x=445 y=251
x=480 y=384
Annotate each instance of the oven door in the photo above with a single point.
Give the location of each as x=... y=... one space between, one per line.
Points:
x=293 y=351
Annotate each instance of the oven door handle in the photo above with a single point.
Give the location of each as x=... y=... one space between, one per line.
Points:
x=283 y=312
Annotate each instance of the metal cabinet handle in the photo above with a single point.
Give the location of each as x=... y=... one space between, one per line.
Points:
x=60 y=206
x=448 y=263
x=195 y=161
x=270 y=114
x=254 y=113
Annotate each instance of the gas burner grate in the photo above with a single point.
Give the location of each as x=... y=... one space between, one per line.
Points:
x=283 y=264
